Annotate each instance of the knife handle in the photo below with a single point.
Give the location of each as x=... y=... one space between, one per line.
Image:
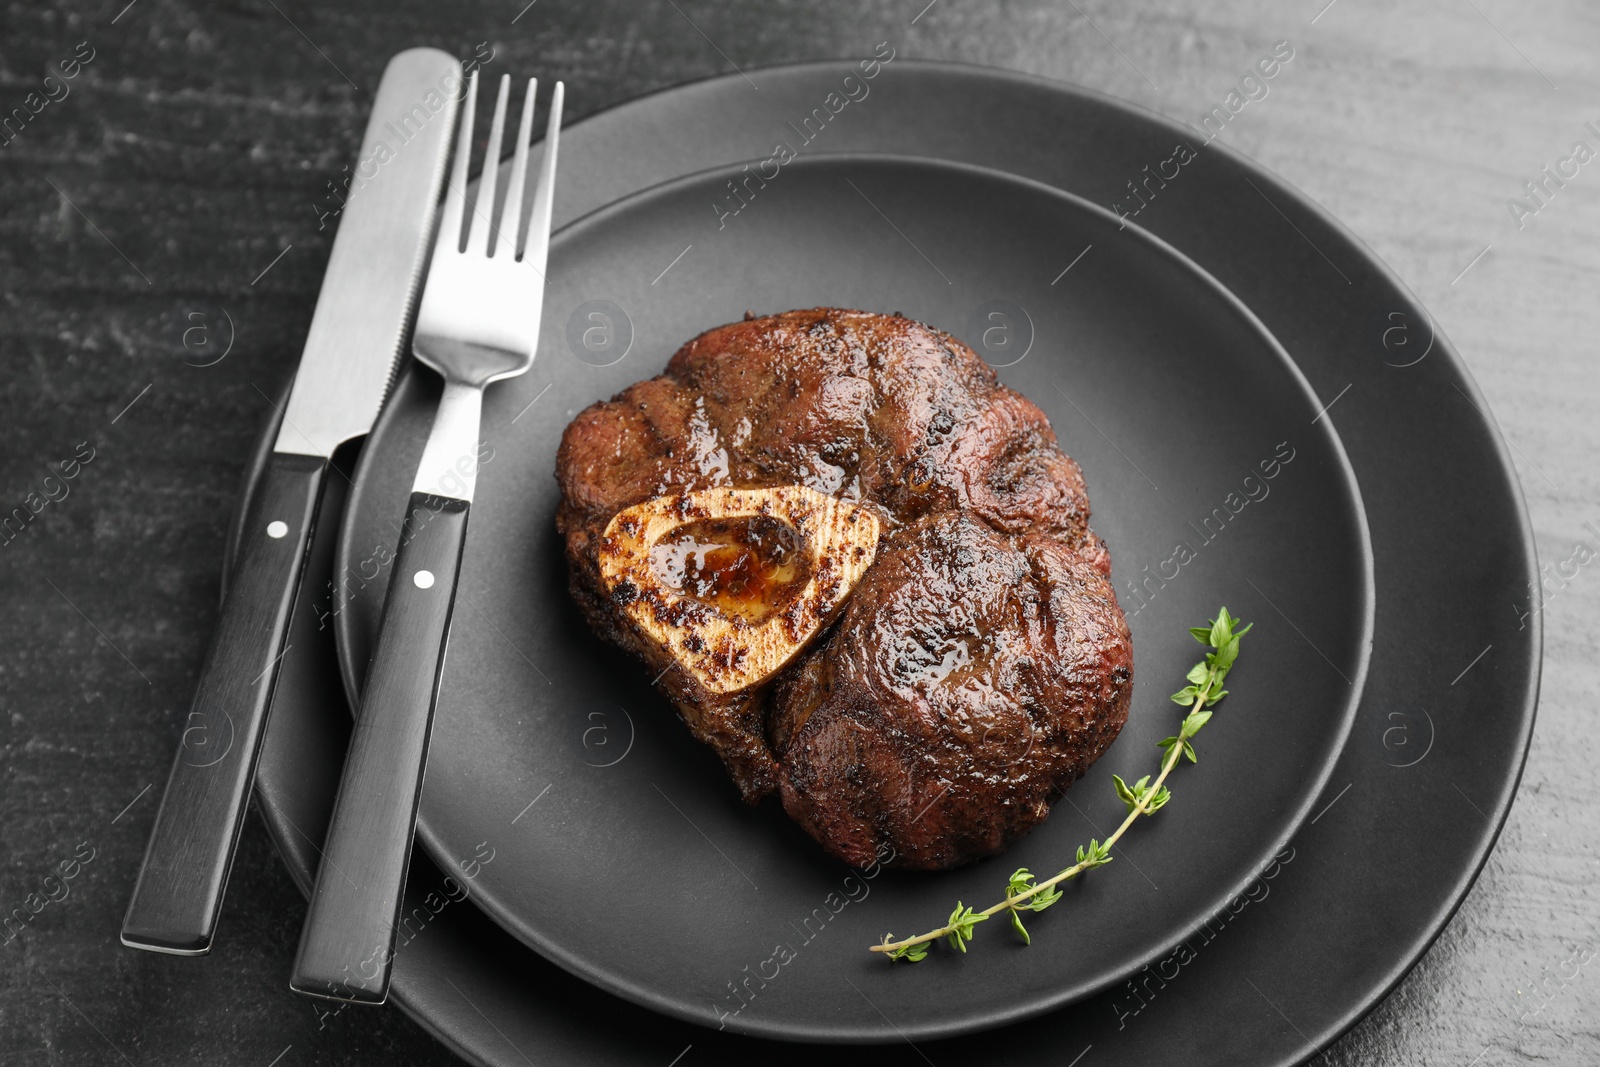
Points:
x=185 y=871
x=347 y=944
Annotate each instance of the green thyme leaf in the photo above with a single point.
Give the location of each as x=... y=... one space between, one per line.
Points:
x=961 y=922
x=1044 y=898
x=1228 y=652
x=1221 y=628
x=1096 y=855
x=910 y=953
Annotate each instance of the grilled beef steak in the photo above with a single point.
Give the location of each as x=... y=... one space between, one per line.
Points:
x=929 y=674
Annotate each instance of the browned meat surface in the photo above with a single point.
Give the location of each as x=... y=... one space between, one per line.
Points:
x=971 y=679
x=980 y=665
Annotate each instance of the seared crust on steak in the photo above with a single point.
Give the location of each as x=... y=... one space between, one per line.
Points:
x=972 y=678
x=980 y=665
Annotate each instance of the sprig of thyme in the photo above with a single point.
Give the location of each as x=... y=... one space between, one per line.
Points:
x=1144 y=797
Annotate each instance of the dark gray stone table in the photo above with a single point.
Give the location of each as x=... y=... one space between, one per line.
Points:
x=180 y=173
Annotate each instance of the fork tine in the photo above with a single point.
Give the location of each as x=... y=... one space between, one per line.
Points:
x=483 y=209
x=511 y=214
x=538 y=245
x=455 y=197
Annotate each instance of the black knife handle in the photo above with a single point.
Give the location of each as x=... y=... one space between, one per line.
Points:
x=185 y=872
x=347 y=944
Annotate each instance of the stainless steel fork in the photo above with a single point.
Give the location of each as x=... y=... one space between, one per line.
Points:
x=479 y=323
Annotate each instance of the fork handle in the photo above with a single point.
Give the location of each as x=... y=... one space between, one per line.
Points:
x=347 y=943
x=185 y=871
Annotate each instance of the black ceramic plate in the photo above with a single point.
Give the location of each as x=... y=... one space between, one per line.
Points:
x=1418 y=793
x=1138 y=358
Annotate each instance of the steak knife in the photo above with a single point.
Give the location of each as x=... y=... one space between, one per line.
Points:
x=356 y=338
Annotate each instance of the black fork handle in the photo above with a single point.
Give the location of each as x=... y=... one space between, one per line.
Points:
x=347 y=945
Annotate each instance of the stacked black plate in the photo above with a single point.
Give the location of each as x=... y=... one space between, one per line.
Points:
x=1266 y=419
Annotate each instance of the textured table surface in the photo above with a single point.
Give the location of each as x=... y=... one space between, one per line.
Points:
x=169 y=202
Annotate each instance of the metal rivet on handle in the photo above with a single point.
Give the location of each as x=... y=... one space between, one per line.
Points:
x=277 y=528
x=424 y=579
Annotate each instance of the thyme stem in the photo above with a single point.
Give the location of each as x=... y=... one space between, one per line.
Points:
x=1142 y=798
x=1011 y=902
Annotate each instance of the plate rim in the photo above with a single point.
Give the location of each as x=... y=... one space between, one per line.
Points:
x=506 y=917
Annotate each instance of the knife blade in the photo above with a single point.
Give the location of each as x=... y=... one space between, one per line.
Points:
x=356 y=338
